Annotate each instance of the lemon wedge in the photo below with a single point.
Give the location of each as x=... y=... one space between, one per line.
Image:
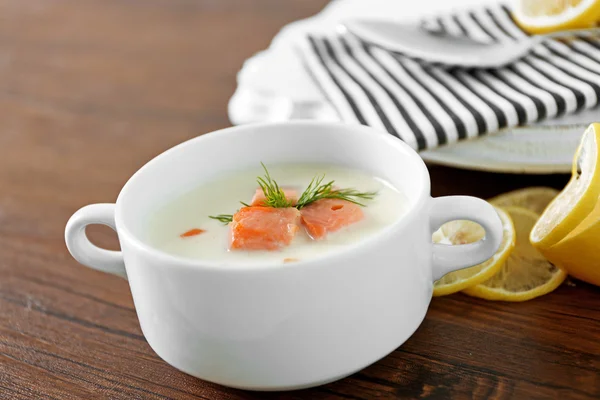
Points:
x=535 y=199
x=578 y=252
x=463 y=232
x=545 y=16
x=577 y=199
x=526 y=274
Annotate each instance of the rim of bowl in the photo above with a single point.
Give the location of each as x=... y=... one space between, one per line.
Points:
x=362 y=244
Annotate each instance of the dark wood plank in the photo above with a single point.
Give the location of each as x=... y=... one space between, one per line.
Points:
x=92 y=89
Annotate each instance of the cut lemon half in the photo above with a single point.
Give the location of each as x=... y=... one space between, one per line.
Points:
x=526 y=274
x=463 y=232
x=577 y=199
x=545 y=16
x=535 y=199
x=578 y=252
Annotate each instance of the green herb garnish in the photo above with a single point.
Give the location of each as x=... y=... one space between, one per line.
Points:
x=224 y=218
x=316 y=190
x=274 y=195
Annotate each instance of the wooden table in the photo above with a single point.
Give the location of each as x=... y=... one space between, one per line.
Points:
x=91 y=90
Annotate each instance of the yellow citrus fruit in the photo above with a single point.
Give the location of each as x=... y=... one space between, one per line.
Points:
x=546 y=16
x=577 y=199
x=526 y=274
x=463 y=232
x=578 y=253
x=535 y=199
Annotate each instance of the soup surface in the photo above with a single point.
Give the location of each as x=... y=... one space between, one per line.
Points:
x=183 y=227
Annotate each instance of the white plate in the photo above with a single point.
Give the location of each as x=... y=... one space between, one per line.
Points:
x=273 y=85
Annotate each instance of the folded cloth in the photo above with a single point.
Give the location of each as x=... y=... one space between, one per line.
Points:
x=429 y=105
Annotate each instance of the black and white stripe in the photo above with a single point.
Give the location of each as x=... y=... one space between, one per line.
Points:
x=429 y=105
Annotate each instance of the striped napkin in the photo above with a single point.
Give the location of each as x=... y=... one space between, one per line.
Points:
x=428 y=105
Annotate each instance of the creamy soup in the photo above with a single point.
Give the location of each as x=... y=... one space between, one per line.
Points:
x=183 y=227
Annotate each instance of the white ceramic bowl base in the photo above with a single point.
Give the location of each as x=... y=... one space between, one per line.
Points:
x=273 y=327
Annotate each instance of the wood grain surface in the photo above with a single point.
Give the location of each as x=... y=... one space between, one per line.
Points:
x=92 y=89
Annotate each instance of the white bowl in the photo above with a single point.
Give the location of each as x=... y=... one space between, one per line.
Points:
x=270 y=327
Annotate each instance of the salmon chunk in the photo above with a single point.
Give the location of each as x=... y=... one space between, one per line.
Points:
x=329 y=215
x=263 y=228
x=259 y=196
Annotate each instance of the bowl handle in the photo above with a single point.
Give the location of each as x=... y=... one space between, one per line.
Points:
x=85 y=251
x=448 y=258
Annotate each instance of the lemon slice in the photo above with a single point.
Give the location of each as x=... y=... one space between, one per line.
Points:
x=578 y=252
x=526 y=274
x=463 y=232
x=535 y=199
x=577 y=199
x=545 y=16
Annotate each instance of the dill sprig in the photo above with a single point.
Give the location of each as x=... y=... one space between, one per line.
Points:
x=274 y=195
x=318 y=190
x=224 y=218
